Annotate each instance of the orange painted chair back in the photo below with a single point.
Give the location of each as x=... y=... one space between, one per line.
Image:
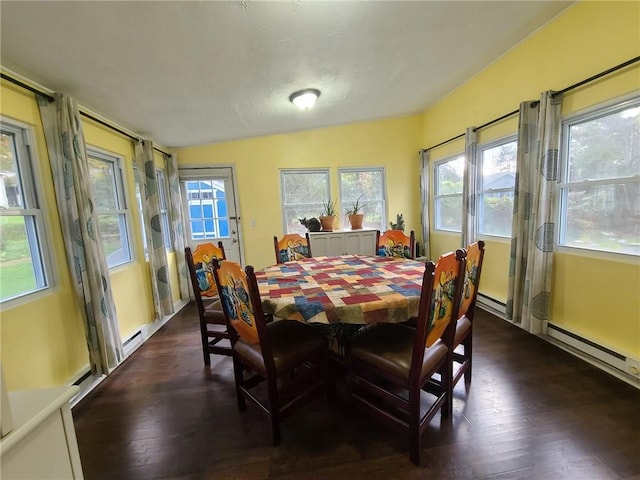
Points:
x=236 y=300
x=203 y=257
x=445 y=295
x=292 y=247
x=394 y=243
x=475 y=255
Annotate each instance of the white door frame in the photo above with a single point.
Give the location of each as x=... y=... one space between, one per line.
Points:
x=195 y=170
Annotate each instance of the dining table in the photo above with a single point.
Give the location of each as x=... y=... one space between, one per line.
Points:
x=345 y=293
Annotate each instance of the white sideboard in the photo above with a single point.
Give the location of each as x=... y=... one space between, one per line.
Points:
x=42 y=443
x=343 y=242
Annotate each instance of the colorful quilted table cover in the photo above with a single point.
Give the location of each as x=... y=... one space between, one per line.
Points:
x=345 y=289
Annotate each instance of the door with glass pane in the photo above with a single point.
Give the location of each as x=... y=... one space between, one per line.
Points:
x=210 y=209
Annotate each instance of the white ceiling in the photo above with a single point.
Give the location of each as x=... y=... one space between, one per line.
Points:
x=194 y=72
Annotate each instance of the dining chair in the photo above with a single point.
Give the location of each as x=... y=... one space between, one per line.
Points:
x=278 y=366
x=212 y=322
x=292 y=246
x=394 y=243
x=392 y=366
x=463 y=339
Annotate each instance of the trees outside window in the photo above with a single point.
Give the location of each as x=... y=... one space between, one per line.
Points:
x=599 y=206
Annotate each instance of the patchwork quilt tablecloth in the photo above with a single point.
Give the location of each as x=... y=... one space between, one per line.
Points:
x=346 y=289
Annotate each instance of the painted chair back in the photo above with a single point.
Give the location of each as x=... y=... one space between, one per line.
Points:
x=292 y=247
x=202 y=258
x=394 y=243
x=475 y=256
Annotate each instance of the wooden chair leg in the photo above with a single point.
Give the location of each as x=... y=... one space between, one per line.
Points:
x=238 y=373
x=274 y=408
x=446 y=377
x=468 y=346
x=414 y=427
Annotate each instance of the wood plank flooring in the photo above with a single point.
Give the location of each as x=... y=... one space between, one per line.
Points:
x=533 y=412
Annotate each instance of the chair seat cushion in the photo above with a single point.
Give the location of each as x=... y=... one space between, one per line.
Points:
x=292 y=343
x=213 y=313
x=389 y=347
x=462 y=328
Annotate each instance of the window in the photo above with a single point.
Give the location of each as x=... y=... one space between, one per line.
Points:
x=368 y=185
x=105 y=175
x=303 y=194
x=448 y=180
x=496 y=183
x=23 y=257
x=207 y=208
x=164 y=211
x=600 y=180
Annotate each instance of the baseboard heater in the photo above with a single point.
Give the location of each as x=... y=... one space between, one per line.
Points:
x=492 y=305
x=622 y=363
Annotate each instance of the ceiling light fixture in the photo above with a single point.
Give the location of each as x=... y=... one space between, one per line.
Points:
x=304 y=99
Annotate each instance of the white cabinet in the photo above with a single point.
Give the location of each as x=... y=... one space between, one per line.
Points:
x=42 y=443
x=343 y=242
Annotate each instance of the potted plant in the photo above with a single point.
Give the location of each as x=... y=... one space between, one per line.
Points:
x=328 y=215
x=355 y=217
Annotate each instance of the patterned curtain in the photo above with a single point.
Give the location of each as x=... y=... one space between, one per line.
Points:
x=469 y=187
x=146 y=178
x=85 y=252
x=177 y=224
x=424 y=204
x=533 y=225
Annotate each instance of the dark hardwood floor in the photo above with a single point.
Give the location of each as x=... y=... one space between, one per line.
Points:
x=533 y=412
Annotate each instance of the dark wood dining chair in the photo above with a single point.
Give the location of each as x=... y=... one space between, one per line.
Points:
x=292 y=246
x=395 y=243
x=278 y=366
x=213 y=330
x=463 y=339
x=392 y=365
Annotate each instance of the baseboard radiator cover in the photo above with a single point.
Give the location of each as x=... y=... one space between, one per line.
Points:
x=624 y=367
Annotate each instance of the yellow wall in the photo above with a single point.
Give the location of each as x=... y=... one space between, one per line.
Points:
x=596 y=298
x=392 y=143
x=42 y=337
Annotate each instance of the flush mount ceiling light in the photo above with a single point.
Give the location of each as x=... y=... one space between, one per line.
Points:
x=304 y=99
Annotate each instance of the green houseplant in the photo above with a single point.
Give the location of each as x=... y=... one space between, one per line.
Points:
x=355 y=217
x=328 y=215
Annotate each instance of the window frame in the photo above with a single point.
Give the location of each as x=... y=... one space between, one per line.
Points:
x=480 y=192
x=121 y=197
x=437 y=196
x=32 y=193
x=344 y=206
x=299 y=171
x=563 y=185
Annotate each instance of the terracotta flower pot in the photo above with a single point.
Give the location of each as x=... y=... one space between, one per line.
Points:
x=327 y=223
x=356 y=221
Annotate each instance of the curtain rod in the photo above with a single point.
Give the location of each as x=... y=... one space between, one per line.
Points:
x=84 y=114
x=555 y=94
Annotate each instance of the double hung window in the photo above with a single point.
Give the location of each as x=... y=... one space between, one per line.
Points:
x=24 y=258
x=599 y=200
x=496 y=183
x=367 y=187
x=448 y=180
x=303 y=194
x=105 y=175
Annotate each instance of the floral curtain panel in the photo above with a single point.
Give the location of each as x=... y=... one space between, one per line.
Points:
x=469 y=188
x=533 y=227
x=146 y=178
x=177 y=223
x=85 y=252
x=424 y=204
